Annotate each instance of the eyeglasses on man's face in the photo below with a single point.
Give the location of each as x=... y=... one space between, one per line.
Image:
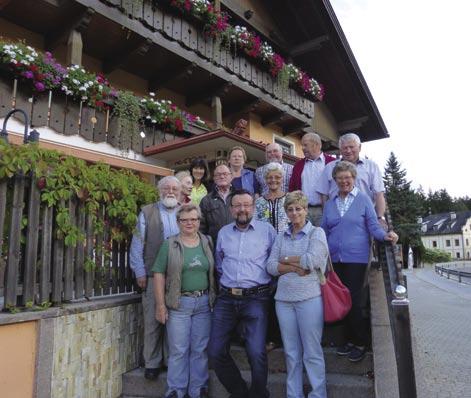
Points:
x=219 y=175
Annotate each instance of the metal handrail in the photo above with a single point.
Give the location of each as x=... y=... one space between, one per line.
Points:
x=395 y=285
x=460 y=274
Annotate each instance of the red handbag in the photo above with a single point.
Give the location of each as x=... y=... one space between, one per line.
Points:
x=335 y=295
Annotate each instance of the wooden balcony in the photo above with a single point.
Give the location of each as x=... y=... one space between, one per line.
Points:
x=70 y=117
x=166 y=50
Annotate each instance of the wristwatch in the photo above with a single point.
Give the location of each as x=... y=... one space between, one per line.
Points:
x=382 y=218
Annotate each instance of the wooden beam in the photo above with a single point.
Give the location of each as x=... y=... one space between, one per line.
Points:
x=168 y=75
x=74 y=48
x=294 y=128
x=205 y=95
x=352 y=124
x=216 y=110
x=309 y=46
x=116 y=60
x=243 y=107
x=79 y=23
x=94 y=157
x=274 y=118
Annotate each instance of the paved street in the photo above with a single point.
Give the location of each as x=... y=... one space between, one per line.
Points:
x=441 y=332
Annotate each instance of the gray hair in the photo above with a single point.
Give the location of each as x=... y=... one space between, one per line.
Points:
x=313 y=137
x=349 y=137
x=182 y=174
x=187 y=208
x=343 y=165
x=273 y=167
x=297 y=198
x=166 y=180
x=274 y=144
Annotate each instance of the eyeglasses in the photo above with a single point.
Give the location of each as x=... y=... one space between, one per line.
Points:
x=276 y=177
x=188 y=220
x=217 y=175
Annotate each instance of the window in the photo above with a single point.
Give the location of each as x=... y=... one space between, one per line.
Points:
x=434 y=243
x=286 y=146
x=458 y=255
x=457 y=242
x=467 y=242
x=448 y=243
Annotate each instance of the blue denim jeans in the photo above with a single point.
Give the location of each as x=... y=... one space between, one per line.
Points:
x=252 y=314
x=301 y=324
x=188 y=335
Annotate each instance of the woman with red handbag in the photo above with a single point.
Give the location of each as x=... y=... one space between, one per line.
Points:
x=297 y=256
x=349 y=221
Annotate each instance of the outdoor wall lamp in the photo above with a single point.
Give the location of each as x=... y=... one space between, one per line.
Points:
x=33 y=136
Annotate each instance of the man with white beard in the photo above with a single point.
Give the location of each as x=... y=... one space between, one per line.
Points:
x=156 y=223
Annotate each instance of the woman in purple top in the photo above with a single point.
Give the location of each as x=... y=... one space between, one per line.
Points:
x=349 y=222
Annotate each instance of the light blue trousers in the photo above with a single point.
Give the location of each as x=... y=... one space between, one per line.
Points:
x=188 y=335
x=301 y=326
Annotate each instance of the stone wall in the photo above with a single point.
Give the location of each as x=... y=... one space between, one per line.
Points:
x=91 y=350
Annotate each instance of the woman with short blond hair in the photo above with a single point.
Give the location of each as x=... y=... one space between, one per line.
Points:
x=241 y=178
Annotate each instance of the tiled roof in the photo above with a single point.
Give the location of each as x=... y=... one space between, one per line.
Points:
x=445 y=223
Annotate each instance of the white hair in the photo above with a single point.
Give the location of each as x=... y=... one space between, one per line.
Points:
x=349 y=137
x=166 y=180
x=313 y=137
x=275 y=144
x=182 y=174
x=273 y=167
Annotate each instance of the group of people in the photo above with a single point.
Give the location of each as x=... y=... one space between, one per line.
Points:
x=210 y=262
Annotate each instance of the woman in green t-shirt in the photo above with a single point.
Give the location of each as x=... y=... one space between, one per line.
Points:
x=184 y=293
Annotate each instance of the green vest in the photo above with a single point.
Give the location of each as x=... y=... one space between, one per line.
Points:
x=173 y=276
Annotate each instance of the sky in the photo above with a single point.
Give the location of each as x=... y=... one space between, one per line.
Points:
x=416 y=59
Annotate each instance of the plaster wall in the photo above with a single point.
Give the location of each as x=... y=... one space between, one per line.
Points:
x=324 y=123
x=17 y=359
x=267 y=134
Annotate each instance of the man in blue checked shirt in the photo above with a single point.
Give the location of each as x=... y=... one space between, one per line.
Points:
x=156 y=223
x=242 y=251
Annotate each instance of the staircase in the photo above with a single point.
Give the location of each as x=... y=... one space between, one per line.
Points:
x=344 y=379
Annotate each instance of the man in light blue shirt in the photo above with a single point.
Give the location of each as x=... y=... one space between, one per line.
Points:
x=369 y=179
x=242 y=251
x=156 y=222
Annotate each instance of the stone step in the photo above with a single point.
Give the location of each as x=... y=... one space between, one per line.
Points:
x=338 y=385
x=333 y=363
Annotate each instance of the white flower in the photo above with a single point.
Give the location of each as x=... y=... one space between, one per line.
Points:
x=142 y=134
x=143 y=100
x=82 y=88
x=75 y=81
x=152 y=94
x=154 y=121
x=147 y=117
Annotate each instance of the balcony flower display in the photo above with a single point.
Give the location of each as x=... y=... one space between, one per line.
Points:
x=42 y=72
x=216 y=25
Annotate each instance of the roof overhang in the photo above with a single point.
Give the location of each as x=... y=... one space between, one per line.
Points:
x=211 y=146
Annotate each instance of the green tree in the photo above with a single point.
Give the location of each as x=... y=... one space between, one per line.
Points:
x=405 y=206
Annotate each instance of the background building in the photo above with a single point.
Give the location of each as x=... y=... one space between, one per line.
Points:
x=450 y=232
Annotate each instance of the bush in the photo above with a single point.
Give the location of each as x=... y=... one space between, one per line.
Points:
x=432 y=256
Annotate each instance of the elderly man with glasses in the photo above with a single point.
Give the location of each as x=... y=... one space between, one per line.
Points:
x=214 y=206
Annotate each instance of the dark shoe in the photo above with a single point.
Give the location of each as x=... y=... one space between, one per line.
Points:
x=204 y=393
x=151 y=373
x=345 y=349
x=357 y=354
x=173 y=394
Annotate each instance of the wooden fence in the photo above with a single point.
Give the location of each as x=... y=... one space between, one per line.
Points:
x=38 y=268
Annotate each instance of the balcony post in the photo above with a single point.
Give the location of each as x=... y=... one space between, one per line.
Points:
x=216 y=109
x=74 y=48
